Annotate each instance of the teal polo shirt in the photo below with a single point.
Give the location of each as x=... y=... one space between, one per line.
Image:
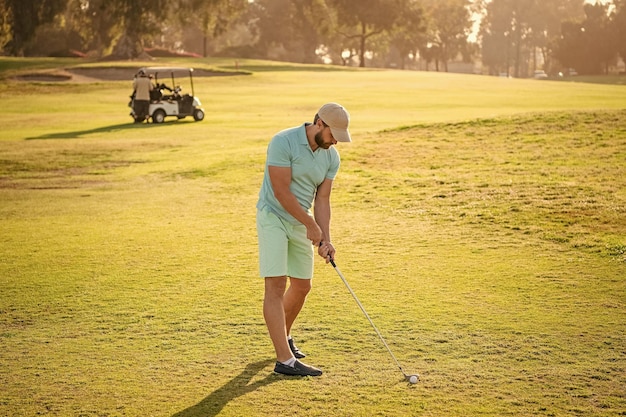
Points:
x=290 y=148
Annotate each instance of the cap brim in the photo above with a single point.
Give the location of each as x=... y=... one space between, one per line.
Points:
x=341 y=135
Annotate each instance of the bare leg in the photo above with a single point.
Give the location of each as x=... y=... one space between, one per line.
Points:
x=294 y=300
x=274 y=314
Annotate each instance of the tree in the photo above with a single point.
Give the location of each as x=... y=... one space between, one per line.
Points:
x=546 y=26
x=121 y=27
x=513 y=30
x=213 y=17
x=292 y=29
x=364 y=19
x=5 y=25
x=138 y=20
x=449 y=24
x=600 y=35
x=21 y=18
x=588 y=46
x=96 y=26
x=408 y=32
x=497 y=34
x=619 y=26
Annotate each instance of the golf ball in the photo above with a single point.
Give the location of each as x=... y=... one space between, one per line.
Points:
x=413 y=379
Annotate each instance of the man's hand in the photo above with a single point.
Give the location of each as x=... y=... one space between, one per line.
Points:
x=314 y=233
x=327 y=251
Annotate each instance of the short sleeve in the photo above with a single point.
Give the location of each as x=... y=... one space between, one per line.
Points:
x=279 y=152
x=333 y=167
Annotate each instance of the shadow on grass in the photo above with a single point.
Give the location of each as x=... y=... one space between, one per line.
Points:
x=77 y=134
x=240 y=385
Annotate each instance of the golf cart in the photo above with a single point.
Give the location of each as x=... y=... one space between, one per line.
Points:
x=167 y=100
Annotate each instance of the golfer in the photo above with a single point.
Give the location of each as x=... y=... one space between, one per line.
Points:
x=299 y=171
x=142 y=86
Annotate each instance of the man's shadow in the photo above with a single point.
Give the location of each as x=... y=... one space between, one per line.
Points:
x=238 y=386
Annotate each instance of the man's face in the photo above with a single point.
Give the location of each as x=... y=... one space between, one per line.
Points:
x=324 y=138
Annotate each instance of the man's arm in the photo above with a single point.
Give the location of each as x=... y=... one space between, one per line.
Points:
x=322 y=217
x=281 y=180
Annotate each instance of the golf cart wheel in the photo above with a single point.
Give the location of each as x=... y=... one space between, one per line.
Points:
x=198 y=115
x=158 y=116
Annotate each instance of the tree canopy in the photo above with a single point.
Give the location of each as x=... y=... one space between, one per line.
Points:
x=515 y=37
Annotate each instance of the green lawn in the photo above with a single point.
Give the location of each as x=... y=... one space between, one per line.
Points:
x=481 y=221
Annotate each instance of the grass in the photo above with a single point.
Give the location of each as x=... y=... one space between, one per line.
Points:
x=479 y=220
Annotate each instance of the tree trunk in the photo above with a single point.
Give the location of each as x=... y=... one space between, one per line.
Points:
x=362 y=51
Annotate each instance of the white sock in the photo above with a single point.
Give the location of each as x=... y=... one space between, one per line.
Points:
x=289 y=337
x=290 y=362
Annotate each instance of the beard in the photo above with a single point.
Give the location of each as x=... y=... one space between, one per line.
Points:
x=319 y=140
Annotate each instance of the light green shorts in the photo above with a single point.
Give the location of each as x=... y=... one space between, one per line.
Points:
x=284 y=249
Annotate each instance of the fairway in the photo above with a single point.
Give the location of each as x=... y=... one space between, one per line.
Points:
x=481 y=221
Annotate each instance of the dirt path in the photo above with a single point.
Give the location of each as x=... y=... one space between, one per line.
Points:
x=91 y=75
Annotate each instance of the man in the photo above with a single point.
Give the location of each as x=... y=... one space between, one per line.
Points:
x=141 y=104
x=299 y=172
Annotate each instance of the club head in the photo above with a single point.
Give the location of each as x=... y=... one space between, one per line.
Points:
x=413 y=379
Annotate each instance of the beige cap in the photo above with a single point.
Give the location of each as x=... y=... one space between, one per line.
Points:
x=338 y=119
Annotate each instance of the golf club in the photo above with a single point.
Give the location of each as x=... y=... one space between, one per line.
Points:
x=413 y=378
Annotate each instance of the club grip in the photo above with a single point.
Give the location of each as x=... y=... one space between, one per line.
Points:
x=331 y=260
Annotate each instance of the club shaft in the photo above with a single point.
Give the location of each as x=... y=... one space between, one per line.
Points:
x=332 y=262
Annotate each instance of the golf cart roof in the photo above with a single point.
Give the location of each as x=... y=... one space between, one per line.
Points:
x=174 y=70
